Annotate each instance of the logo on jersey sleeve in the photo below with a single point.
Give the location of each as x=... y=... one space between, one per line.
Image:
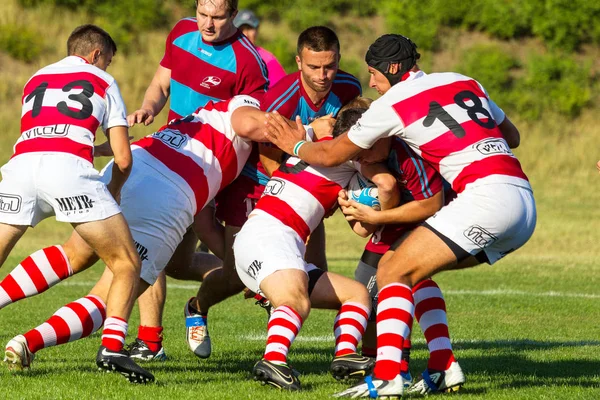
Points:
x=171 y=138
x=479 y=236
x=210 y=82
x=493 y=146
x=10 y=203
x=274 y=187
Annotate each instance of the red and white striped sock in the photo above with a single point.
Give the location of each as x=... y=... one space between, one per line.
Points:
x=430 y=311
x=38 y=272
x=284 y=325
x=74 y=321
x=349 y=327
x=114 y=333
x=394 y=318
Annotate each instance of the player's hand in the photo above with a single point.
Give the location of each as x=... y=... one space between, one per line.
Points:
x=323 y=126
x=140 y=116
x=282 y=132
x=104 y=149
x=360 y=212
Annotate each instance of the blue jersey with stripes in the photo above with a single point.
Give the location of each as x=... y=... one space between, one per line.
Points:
x=210 y=71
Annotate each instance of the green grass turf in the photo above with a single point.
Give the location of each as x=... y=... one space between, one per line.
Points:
x=526 y=328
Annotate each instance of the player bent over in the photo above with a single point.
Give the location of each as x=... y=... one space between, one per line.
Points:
x=448 y=120
x=52 y=173
x=178 y=170
x=422 y=195
x=269 y=253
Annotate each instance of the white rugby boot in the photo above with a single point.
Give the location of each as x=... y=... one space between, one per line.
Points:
x=197 y=336
x=17 y=355
x=450 y=380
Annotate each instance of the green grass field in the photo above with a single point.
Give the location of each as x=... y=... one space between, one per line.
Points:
x=526 y=328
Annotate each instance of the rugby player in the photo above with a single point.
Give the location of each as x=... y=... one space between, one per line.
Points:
x=51 y=173
x=422 y=195
x=248 y=23
x=206 y=59
x=270 y=249
x=177 y=171
x=318 y=89
x=449 y=120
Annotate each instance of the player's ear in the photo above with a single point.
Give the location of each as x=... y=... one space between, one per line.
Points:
x=394 y=68
x=95 y=56
x=299 y=62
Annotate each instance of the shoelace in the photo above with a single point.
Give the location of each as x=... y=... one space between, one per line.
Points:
x=197 y=333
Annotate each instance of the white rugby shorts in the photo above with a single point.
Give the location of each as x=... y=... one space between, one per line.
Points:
x=265 y=245
x=158 y=213
x=491 y=220
x=36 y=186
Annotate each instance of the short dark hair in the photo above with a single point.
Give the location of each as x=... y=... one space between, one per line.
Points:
x=318 y=38
x=85 y=38
x=346 y=119
x=230 y=5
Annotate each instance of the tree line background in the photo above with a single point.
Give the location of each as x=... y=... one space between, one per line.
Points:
x=538 y=59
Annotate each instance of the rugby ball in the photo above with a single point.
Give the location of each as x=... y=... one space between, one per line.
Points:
x=363 y=191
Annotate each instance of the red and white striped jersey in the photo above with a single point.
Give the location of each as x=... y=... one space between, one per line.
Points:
x=200 y=153
x=449 y=120
x=300 y=195
x=63 y=106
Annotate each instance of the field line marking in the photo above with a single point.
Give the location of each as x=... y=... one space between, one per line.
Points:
x=494 y=292
x=503 y=342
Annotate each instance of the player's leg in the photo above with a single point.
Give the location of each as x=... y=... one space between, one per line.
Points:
x=45 y=268
x=315 y=248
x=9 y=236
x=287 y=290
x=269 y=261
x=148 y=345
x=216 y=287
x=73 y=321
x=332 y=291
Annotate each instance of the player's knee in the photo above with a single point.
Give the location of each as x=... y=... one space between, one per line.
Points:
x=299 y=303
x=388 y=273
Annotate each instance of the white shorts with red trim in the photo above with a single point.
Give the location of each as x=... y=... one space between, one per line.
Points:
x=265 y=245
x=496 y=219
x=36 y=186
x=158 y=213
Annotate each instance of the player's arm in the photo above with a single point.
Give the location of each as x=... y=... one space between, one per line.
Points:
x=408 y=213
x=118 y=137
x=209 y=231
x=155 y=98
x=388 y=193
x=270 y=157
x=287 y=135
x=510 y=133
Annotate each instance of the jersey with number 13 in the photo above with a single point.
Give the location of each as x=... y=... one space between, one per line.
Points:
x=63 y=106
x=449 y=120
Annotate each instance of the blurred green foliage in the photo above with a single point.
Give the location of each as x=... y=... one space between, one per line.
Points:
x=552 y=82
x=21 y=42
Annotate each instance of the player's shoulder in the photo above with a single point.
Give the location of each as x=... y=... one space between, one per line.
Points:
x=70 y=65
x=286 y=89
x=285 y=83
x=183 y=26
x=345 y=78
